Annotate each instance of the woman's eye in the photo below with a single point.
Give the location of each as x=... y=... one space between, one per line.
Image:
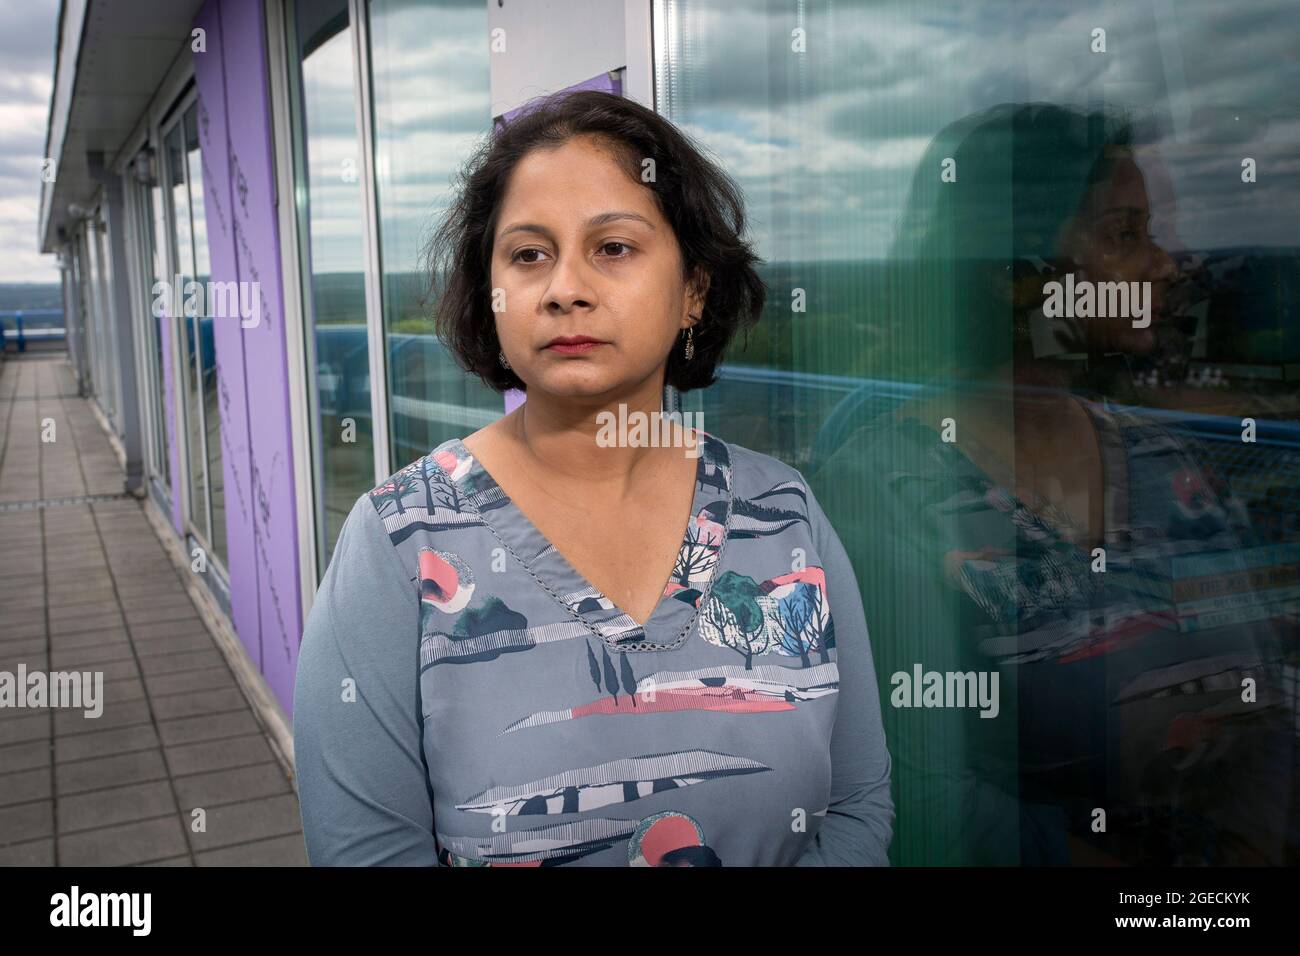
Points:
x=620 y=251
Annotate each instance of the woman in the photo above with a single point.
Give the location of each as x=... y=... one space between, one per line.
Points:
x=517 y=655
x=1013 y=520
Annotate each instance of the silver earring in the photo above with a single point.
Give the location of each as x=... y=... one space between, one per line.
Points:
x=502 y=356
x=690 y=342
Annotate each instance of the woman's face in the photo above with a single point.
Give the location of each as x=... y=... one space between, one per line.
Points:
x=582 y=250
x=1109 y=242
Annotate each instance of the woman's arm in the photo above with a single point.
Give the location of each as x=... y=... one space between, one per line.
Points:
x=362 y=784
x=859 y=822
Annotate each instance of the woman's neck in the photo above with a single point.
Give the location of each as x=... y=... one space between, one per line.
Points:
x=588 y=445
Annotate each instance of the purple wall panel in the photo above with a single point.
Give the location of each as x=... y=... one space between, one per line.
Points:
x=265 y=348
x=514 y=397
x=209 y=77
x=260 y=515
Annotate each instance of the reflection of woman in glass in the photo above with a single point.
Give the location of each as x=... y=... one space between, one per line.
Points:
x=584 y=633
x=987 y=507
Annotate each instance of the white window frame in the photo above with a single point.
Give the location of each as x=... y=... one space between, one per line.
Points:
x=358 y=16
x=138 y=202
x=296 y=306
x=175 y=116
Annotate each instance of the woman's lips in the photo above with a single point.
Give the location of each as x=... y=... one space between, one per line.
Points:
x=576 y=348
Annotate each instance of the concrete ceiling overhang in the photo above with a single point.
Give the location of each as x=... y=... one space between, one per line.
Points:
x=111 y=57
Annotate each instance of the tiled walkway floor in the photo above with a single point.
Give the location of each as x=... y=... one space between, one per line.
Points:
x=89 y=587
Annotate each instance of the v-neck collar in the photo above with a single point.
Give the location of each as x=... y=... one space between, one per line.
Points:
x=705 y=537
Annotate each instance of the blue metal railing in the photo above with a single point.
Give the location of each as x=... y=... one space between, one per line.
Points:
x=24 y=329
x=342 y=352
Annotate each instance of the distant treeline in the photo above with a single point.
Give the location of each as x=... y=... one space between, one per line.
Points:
x=904 y=318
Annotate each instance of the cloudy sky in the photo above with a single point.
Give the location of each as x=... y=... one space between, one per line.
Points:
x=26 y=77
x=824 y=144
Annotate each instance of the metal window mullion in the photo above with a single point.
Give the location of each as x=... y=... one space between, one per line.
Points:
x=132 y=283
x=87 y=316
x=160 y=270
x=107 y=316
x=208 y=537
x=296 y=299
x=176 y=114
x=171 y=254
x=152 y=347
x=110 y=290
x=134 y=243
x=370 y=232
x=108 y=397
x=192 y=366
x=92 y=290
x=197 y=372
x=302 y=271
x=88 y=307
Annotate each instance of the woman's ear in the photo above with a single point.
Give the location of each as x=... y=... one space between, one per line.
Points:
x=697 y=292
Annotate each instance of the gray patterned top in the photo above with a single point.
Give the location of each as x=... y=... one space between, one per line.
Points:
x=465 y=697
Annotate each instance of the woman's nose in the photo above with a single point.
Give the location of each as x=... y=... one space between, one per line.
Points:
x=569 y=284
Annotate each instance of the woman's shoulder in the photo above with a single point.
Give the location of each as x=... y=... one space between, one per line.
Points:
x=752 y=469
x=405 y=500
x=440 y=462
x=767 y=490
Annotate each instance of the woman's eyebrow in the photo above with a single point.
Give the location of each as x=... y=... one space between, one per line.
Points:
x=606 y=217
x=597 y=220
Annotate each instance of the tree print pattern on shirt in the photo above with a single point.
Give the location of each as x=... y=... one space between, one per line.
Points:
x=788 y=615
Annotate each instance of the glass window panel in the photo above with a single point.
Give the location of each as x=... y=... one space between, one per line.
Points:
x=86 y=321
x=157 y=218
x=207 y=358
x=431 y=92
x=330 y=210
x=925 y=183
x=107 y=280
x=183 y=238
x=90 y=297
x=137 y=194
x=104 y=352
x=113 y=358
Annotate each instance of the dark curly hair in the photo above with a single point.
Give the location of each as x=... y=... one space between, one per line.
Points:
x=697 y=198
